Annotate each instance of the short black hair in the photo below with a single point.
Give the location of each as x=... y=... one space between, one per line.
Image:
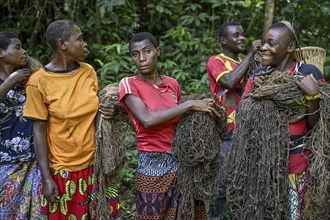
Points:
x=5 y=37
x=141 y=36
x=222 y=29
x=282 y=26
x=59 y=29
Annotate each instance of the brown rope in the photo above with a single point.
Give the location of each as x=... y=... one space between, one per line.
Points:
x=33 y=64
x=318 y=202
x=258 y=168
x=197 y=144
x=112 y=137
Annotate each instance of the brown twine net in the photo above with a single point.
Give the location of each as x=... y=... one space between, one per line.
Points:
x=254 y=63
x=111 y=140
x=318 y=197
x=258 y=168
x=197 y=147
x=33 y=64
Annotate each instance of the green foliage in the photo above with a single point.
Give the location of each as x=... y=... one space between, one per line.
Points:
x=126 y=185
x=187 y=30
x=115 y=65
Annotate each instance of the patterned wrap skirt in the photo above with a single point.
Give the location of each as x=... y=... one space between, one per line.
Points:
x=20 y=191
x=297 y=195
x=78 y=198
x=156 y=194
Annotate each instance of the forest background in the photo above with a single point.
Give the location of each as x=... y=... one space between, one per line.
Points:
x=186 y=30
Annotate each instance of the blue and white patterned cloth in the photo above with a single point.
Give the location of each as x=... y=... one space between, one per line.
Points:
x=156 y=163
x=16 y=143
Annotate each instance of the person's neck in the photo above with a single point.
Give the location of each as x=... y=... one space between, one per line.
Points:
x=59 y=64
x=5 y=71
x=154 y=78
x=285 y=65
x=231 y=54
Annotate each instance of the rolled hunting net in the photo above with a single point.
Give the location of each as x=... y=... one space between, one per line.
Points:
x=197 y=147
x=259 y=159
x=112 y=138
x=259 y=156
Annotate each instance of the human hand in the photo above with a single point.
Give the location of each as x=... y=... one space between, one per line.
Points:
x=206 y=105
x=259 y=78
x=255 y=46
x=308 y=85
x=50 y=190
x=20 y=75
x=108 y=111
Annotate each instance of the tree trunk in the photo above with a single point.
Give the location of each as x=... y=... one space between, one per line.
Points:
x=269 y=13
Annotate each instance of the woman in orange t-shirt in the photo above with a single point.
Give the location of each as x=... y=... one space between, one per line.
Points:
x=62 y=101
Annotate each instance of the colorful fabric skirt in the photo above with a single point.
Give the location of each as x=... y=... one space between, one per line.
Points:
x=20 y=191
x=156 y=194
x=78 y=198
x=296 y=195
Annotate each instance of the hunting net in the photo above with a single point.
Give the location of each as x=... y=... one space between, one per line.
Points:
x=197 y=147
x=112 y=138
x=259 y=156
x=318 y=198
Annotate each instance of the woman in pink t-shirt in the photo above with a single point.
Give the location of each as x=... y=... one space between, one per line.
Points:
x=152 y=102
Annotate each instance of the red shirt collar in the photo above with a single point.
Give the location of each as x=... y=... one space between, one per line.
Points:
x=294 y=66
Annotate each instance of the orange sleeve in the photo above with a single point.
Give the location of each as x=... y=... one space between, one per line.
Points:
x=35 y=105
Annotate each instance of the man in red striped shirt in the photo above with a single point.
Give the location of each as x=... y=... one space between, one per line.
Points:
x=226 y=71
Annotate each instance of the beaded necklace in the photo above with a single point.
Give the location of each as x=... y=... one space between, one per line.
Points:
x=164 y=90
x=157 y=87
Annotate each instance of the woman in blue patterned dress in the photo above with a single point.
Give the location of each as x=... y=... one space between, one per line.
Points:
x=19 y=174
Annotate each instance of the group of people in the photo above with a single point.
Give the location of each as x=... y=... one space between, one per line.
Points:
x=49 y=149
x=228 y=71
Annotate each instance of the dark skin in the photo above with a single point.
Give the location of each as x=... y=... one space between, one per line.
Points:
x=12 y=59
x=232 y=44
x=277 y=53
x=144 y=56
x=65 y=56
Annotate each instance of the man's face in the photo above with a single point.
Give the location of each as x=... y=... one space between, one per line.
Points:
x=234 y=39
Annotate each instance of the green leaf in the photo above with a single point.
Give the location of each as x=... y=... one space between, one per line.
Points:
x=160 y=8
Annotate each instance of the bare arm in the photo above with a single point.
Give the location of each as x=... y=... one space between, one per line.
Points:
x=153 y=118
x=18 y=76
x=49 y=187
x=313 y=113
x=310 y=87
x=230 y=79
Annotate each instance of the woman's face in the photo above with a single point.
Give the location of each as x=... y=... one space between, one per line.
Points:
x=15 y=55
x=275 y=47
x=144 y=56
x=76 y=47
